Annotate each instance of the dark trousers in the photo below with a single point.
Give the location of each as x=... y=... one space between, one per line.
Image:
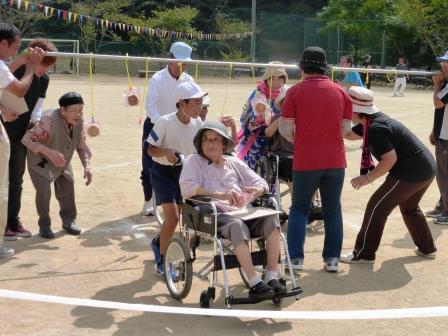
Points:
x=17 y=164
x=442 y=171
x=389 y=195
x=147 y=161
x=64 y=190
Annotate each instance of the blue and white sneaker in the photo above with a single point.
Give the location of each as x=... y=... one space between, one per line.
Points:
x=161 y=272
x=155 y=246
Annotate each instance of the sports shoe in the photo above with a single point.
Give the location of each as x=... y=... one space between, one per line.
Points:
x=442 y=219
x=277 y=286
x=46 y=232
x=350 y=259
x=147 y=210
x=72 y=228
x=9 y=235
x=155 y=246
x=425 y=255
x=161 y=272
x=434 y=213
x=261 y=291
x=331 y=265
x=296 y=264
x=6 y=252
x=21 y=231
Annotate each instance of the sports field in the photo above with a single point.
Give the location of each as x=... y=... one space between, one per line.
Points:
x=112 y=261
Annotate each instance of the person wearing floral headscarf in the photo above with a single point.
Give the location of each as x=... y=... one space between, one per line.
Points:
x=257 y=113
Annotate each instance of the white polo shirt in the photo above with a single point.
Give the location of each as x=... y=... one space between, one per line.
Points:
x=6 y=76
x=160 y=99
x=170 y=132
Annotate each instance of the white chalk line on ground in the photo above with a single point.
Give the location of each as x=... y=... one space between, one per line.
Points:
x=423 y=312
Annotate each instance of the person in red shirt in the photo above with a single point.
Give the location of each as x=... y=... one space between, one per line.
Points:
x=315 y=116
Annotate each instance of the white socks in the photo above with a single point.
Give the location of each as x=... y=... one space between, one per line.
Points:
x=252 y=282
x=270 y=275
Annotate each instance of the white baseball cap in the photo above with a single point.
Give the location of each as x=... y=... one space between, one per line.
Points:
x=206 y=101
x=181 y=51
x=189 y=90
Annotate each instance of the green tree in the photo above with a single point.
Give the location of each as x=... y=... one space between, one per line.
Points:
x=177 y=19
x=93 y=34
x=26 y=21
x=428 y=20
x=233 y=50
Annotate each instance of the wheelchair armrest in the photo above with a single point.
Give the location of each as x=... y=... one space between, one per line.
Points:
x=266 y=200
x=266 y=197
x=199 y=198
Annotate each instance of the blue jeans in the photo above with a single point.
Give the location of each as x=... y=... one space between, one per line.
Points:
x=147 y=162
x=305 y=183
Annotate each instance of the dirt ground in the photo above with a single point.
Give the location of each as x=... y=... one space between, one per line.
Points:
x=112 y=261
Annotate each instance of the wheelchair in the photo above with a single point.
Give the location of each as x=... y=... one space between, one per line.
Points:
x=198 y=223
x=267 y=167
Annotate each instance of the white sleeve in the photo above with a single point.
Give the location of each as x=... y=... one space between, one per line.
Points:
x=6 y=76
x=36 y=115
x=152 y=97
x=157 y=134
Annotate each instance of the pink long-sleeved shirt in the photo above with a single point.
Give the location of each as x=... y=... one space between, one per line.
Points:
x=233 y=174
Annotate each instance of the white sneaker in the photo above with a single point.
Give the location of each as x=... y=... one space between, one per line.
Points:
x=147 y=210
x=6 y=252
x=424 y=255
x=331 y=265
x=350 y=259
x=296 y=264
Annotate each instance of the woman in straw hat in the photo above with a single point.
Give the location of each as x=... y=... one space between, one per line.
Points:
x=233 y=186
x=410 y=169
x=257 y=112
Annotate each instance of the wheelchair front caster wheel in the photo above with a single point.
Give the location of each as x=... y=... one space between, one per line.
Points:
x=277 y=302
x=204 y=300
x=178 y=268
x=207 y=296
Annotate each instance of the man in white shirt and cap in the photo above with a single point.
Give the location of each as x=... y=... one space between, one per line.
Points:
x=161 y=101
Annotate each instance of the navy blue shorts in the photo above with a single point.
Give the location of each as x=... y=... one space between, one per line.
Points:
x=165 y=181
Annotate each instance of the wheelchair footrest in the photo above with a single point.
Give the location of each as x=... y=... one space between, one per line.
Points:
x=293 y=292
x=258 y=258
x=246 y=300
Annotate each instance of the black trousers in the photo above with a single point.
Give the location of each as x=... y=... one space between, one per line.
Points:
x=393 y=193
x=17 y=164
x=147 y=162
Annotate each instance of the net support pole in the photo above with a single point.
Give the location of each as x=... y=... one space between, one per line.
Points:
x=383 y=49
x=254 y=28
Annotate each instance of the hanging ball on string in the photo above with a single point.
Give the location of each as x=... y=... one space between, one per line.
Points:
x=133 y=100
x=93 y=128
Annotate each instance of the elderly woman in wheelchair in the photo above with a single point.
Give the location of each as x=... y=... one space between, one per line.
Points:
x=232 y=185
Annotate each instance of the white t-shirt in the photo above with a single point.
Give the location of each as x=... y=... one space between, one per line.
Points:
x=6 y=76
x=160 y=99
x=444 y=129
x=170 y=132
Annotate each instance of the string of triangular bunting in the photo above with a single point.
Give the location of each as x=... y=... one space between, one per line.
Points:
x=118 y=26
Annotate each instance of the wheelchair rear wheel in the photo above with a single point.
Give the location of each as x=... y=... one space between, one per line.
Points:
x=158 y=211
x=178 y=268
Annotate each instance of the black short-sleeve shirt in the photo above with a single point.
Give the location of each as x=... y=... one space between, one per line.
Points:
x=439 y=112
x=38 y=89
x=415 y=162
